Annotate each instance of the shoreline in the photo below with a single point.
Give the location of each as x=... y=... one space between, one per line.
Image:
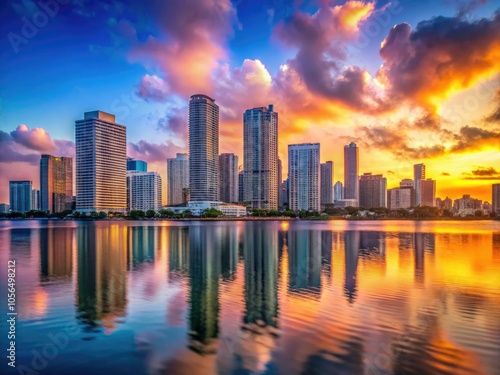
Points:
x=257 y=219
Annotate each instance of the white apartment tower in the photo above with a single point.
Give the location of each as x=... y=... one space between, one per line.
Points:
x=260 y=158
x=101 y=163
x=143 y=191
x=304 y=176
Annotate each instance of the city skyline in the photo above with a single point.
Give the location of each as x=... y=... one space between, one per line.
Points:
x=246 y=55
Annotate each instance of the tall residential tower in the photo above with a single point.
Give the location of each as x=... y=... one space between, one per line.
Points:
x=177 y=179
x=304 y=176
x=260 y=159
x=351 y=167
x=56 y=183
x=203 y=148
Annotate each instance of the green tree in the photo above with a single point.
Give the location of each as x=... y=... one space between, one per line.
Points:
x=447 y=213
x=289 y=213
x=94 y=215
x=478 y=213
x=212 y=213
x=166 y=213
x=136 y=214
x=187 y=213
x=102 y=215
x=273 y=213
x=150 y=213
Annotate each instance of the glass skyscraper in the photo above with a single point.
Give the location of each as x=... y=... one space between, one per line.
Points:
x=56 y=183
x=20 y=196
x=304 y=176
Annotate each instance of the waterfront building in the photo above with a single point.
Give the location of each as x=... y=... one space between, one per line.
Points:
x=143 y=191
x=304 y=176
x=177 y=179
x=56 y=183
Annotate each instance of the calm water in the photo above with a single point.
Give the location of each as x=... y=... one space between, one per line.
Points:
x=254 y=297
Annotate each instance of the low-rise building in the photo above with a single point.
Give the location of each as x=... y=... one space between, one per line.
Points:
x=198 y=207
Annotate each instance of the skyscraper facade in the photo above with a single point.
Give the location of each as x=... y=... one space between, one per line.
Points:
x=136 y=165
x=228 y=174
x=20 y=196
x=143 y=191
x=304 y=176
x=351 y=167
x=400 y=198
x=338 y=191
x=326 y=178
x=260 y=159
x=177 y=179
x=418 y=177
x=372 y=190
x=495 y=199
x=203 y=148
x=56 y=183
x=35 y=199
x=284 y=194
x=428 y=192
x=280 y=181
x=101 y=163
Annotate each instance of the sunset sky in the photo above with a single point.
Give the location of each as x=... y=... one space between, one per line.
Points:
x=410 y=81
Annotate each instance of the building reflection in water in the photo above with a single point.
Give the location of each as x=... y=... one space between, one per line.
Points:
x=102 y=263
x=351 y=246
x=142 y=243
x=326 y=251
x=304 y=262
x=56 y=253
x=260 y=252
x=204 y=273
x=178 y=251
x=229 y=252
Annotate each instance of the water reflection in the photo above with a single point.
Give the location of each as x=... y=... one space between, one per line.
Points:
x=263 y=297
x=102 y=287
x=204 y=272
x=56 y=253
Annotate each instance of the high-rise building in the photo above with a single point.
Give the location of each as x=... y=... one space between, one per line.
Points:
x=304 y=176
x=372 y=190
x=428 y=192
x=240 y=186
x=467 y=205
x=56 y=183
x=143 y=191
x=407 y=182
x=284 y=194
x=418 y=177
x=228 y=174
x=260 y=159
x=20 y=196
x=177 y=179
x=101 y=163
x=401 y=197
x=326 y=183
x=203 y=148
x=35 y=199
x=136 y=165
x=338 y=191
x=4 y=208
x=495 y=192
x=351 y=167
x=280 y=181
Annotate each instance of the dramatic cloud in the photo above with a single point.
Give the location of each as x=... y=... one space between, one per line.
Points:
x=495 y=116
x=440 y=57
x=175 y=122
x=320 y=40
x=36 y=139
x=190 y=45
x=153 y=152
x=400 y=143
x=153 y=87
x=473 y=138
x=483 y=173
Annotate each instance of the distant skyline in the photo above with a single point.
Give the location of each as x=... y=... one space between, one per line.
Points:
x=409 y=82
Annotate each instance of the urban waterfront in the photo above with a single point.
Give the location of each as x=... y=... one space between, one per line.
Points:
x=292 y=297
